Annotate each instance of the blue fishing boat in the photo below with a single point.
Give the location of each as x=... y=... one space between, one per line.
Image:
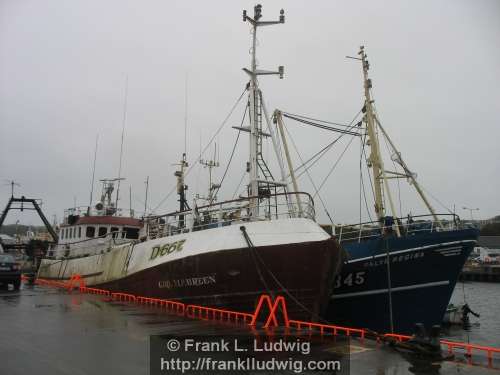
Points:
x=389 y=282
x=397 y=271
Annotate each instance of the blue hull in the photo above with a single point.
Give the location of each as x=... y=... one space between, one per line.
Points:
x=424 y=269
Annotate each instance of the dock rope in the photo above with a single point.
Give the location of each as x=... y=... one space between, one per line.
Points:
x=287 y=292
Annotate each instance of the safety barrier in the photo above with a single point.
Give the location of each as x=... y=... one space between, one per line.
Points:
x=70 y=285
x=327 y=328
x=206 y=313
x=125 y=297
x=102 y=292
x=469 y=348
x=251 y=319
x=158 y=302
x=397 y=337
x=299 y=325
x=451 y=345
x=55 y=283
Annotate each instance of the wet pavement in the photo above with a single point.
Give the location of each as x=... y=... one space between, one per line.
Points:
x=48 y=331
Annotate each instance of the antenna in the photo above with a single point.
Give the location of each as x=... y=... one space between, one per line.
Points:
x=146 y=199
x=181 y=188
x=12 y=183
x=212 y=187
x=93 y=174
x=130 y=200
x=121 y=145
x=185 y=112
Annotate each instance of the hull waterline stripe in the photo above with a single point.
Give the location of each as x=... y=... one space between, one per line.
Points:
x=397 y=289
x=410 y=250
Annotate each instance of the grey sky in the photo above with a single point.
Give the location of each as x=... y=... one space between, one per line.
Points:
x=435 y=66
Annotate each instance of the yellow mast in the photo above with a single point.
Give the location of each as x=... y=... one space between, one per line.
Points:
x=375 y=160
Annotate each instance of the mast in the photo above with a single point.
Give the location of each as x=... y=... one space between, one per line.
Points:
x=124 y=121
x=255 y=106
x=181 y=188
x=212 y=187
x=106 y=204
x=93 y=175
x=279 y=120
x=375 y=160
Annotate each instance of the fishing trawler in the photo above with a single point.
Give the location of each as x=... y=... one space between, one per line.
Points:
x=399 y=271
x=219 y=254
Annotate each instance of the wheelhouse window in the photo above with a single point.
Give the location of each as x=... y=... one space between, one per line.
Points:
x=79 y=232
x=90 y=232
x=103 y=231
x=70 y=232
x=62 y=234
x=115 y=231
x=132 y=233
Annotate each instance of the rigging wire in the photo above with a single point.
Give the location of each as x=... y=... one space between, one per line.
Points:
x=318 y=120
x=198 y=172
x=334 y=166
x=389 y=151
x=396 y=170
x=238 y=187
x=427 y=191
x=174 y=188
x=310 y=178
x=320 y=126
x=325 y=149
x=322 y=152
x=360 y=174
x=231 y=157
x=437 y=200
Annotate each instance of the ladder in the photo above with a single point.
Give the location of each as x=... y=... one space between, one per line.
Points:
x=263 y=167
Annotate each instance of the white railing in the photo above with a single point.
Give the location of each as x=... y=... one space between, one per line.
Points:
x=91 y=211
x=272 y=207
x=91 y=246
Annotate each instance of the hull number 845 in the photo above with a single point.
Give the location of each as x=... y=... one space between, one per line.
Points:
x=350 y=279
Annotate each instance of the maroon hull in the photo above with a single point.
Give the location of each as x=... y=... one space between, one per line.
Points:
x=234 y=279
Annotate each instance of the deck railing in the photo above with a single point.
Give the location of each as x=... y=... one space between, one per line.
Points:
x=220 y=214
x=407 y=226
x=82 y=211
x=90 y=246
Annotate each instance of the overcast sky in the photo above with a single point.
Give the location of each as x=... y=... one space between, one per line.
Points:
x=435 y=67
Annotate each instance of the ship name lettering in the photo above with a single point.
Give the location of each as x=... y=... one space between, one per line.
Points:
x=189 y=282
x=394 y=259
x=165 y=249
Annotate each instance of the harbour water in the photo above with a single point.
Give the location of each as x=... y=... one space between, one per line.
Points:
x=483 y=298
x=46 y=330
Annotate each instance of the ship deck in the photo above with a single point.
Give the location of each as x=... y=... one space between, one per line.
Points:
x=45 y=330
